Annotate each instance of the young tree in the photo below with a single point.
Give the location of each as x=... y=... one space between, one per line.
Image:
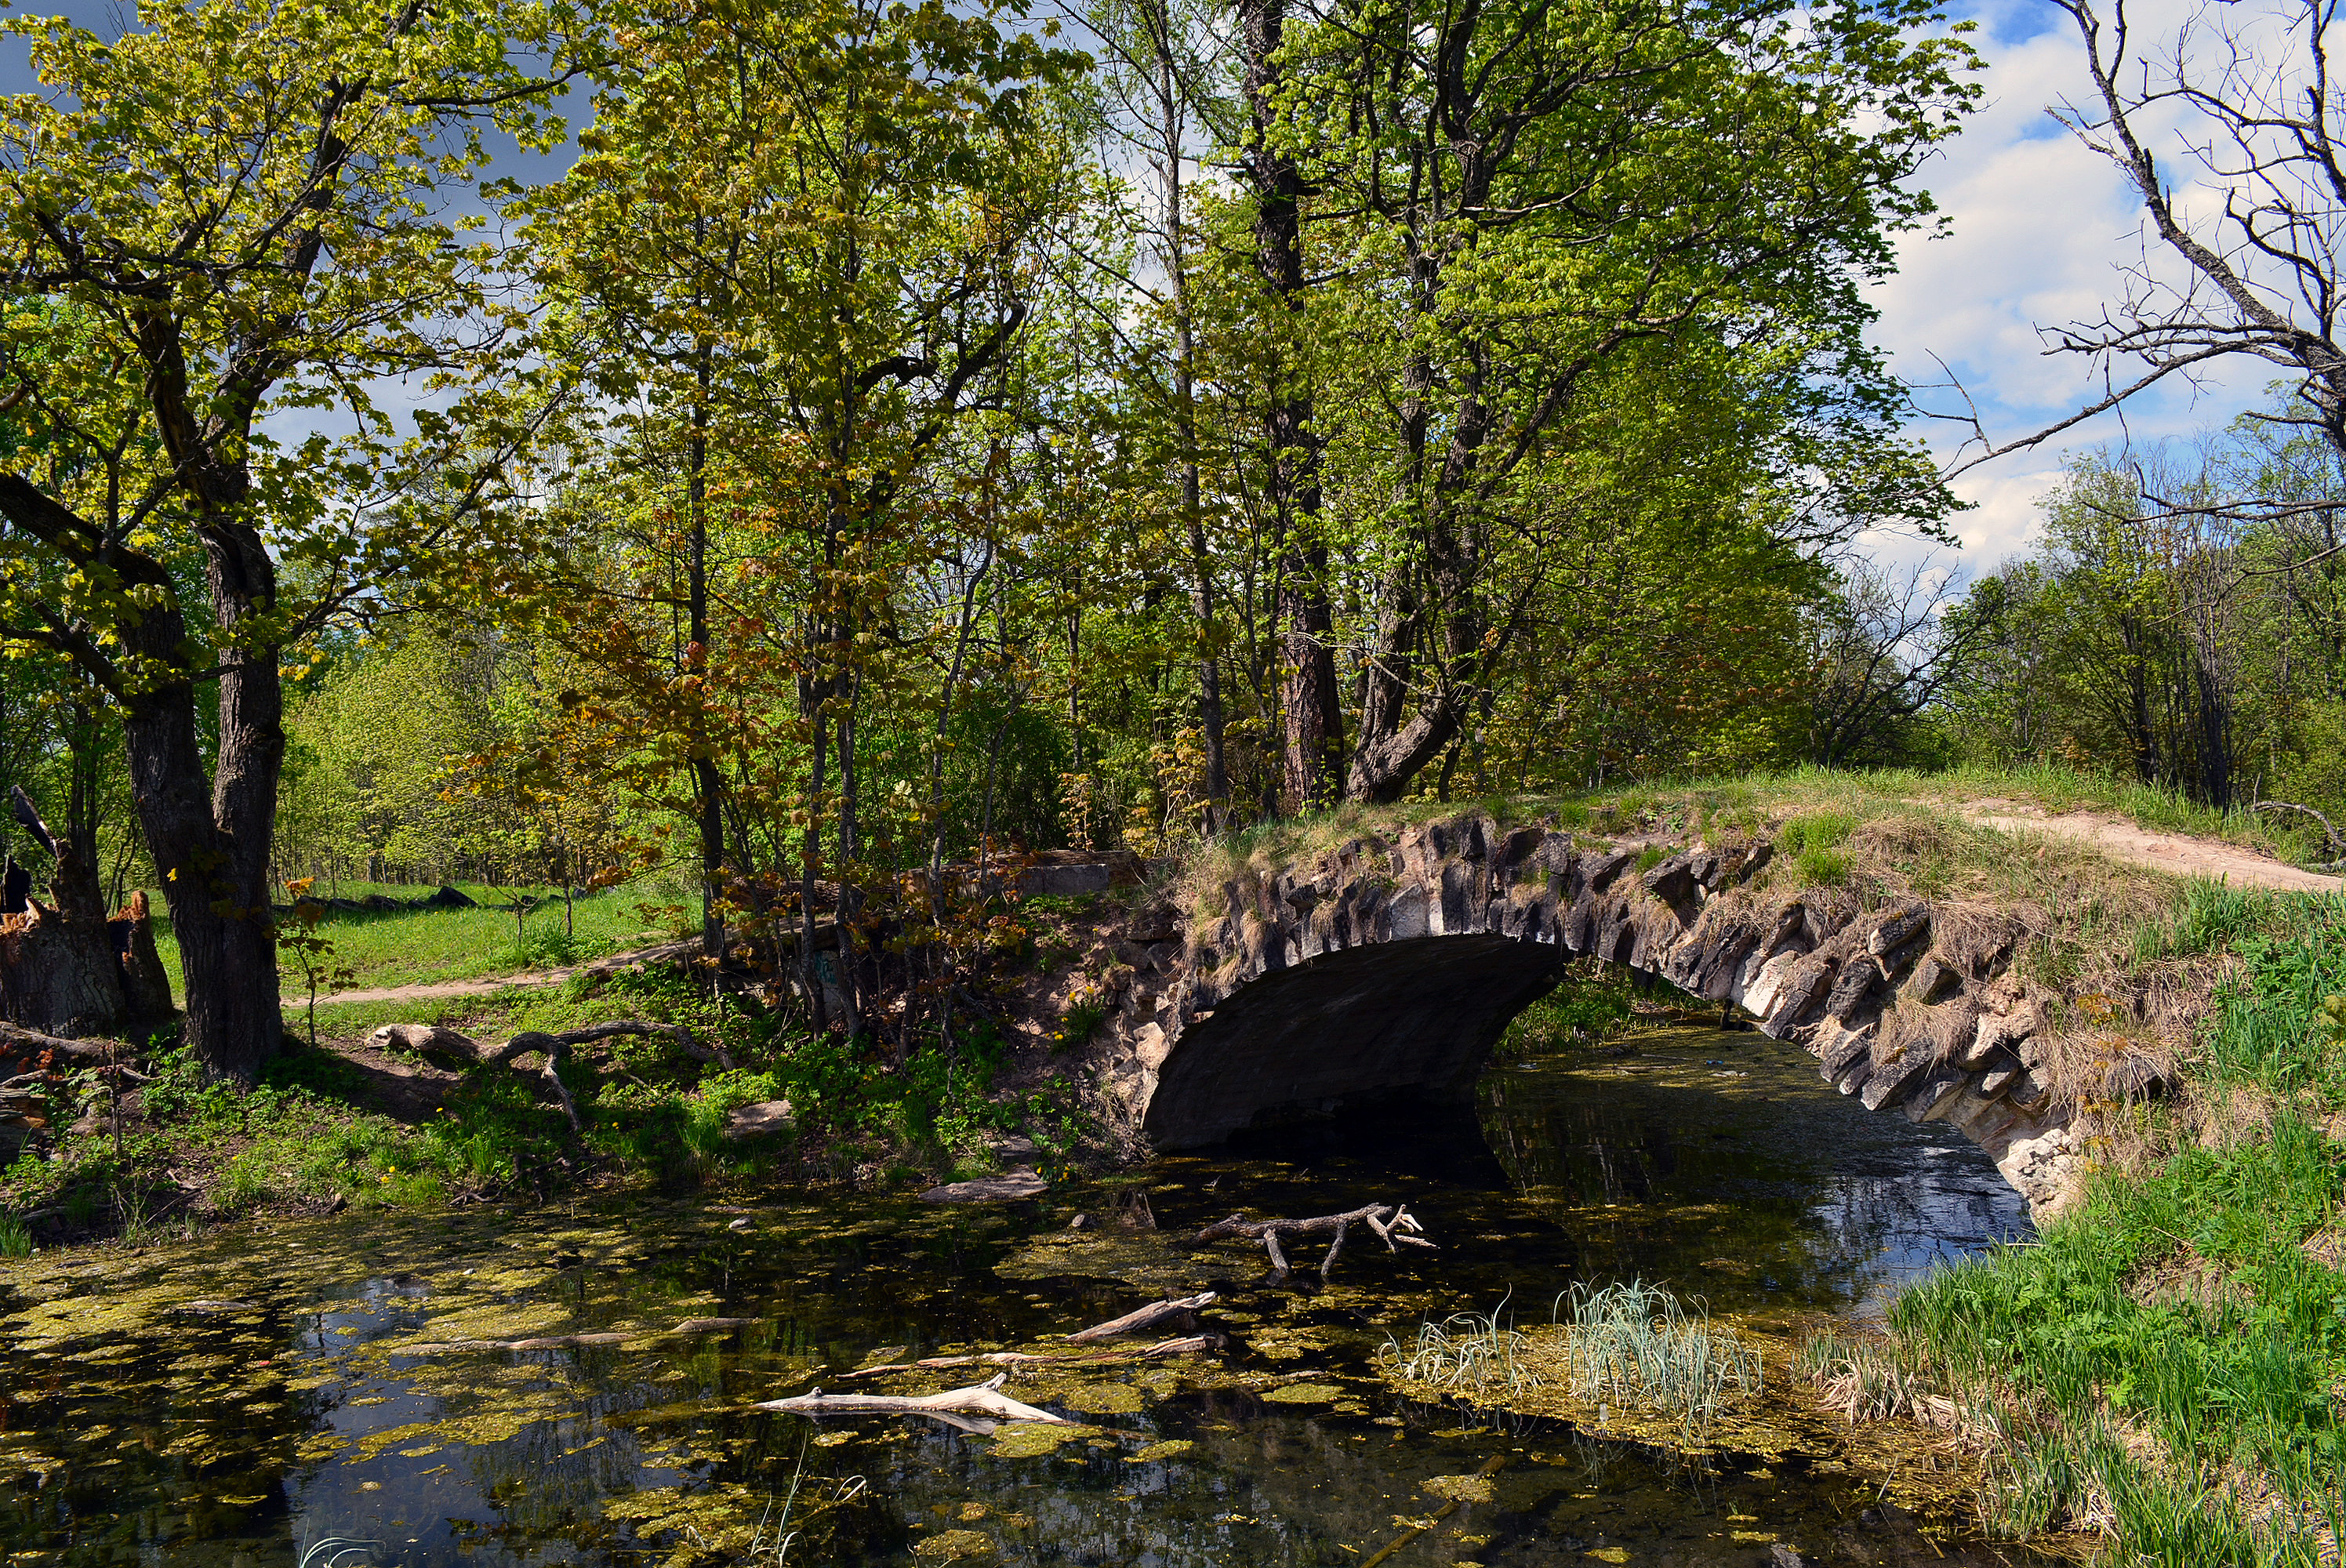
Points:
x=241 y=214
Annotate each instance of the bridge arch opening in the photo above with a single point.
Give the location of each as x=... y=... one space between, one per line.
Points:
x=1374 y=1023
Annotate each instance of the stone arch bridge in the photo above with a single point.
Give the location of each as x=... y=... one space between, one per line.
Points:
x=1390 y=966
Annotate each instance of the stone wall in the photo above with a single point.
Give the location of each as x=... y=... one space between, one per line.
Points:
x=1391 y=966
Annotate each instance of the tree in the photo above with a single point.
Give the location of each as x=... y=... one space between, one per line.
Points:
x=794 y=258
x=1518 y=199
x=2248 y=94
x=236 y=213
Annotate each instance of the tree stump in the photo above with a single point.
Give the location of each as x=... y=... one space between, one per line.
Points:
x=59 y=976
x=68 y=968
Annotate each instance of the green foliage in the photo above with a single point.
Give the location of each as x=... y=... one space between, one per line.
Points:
x=1578 y=1012
x=2183 y=1299
x=1637 y=1345
x=1812 y=843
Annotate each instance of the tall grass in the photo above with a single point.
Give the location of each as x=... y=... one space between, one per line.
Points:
x=1467 y=1353
x=1636 y=1345
x=2171 y=1353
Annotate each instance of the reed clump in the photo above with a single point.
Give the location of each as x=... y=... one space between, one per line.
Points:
x=1637 y=1346
x=1467 y=1353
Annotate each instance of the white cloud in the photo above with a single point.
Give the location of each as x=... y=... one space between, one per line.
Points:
x=2039 y=228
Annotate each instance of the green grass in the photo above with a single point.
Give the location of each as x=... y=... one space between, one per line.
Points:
x=2180 y=1303
x=1637 y=1346
x=1466 y=1353
x=422 y=947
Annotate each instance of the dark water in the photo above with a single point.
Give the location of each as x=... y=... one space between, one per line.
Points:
x=294 y=1430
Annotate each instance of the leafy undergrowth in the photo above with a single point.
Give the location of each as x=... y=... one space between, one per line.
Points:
x=2165 y=1371
x=313 y=1133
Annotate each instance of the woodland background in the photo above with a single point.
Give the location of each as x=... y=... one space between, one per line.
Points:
x=902 y=433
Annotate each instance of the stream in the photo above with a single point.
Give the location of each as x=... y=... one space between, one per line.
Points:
x=294 y=1420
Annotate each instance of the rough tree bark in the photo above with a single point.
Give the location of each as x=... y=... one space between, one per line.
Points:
x=1311 y=706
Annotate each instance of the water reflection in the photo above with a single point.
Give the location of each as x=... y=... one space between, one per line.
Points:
x=309 y=1424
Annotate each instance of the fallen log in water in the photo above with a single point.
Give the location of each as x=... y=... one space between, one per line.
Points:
x=978 y=1399
x=1148 y=1316
x=1399 y=1228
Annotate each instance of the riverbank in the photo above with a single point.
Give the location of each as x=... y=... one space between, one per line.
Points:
x=360 y=1121
x=2165 y=1372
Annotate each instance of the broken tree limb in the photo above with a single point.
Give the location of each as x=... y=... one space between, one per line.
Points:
x=2337 y=840
x=25 y=1045
x=1391 y=1224
x=1147 y=1316
x=676 y=1034
x=979 y=1400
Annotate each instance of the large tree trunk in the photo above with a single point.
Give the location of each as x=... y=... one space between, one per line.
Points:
x=1309 y=703
x=212 y=846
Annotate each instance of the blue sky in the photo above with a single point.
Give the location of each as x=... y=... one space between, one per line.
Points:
x=2038 y=226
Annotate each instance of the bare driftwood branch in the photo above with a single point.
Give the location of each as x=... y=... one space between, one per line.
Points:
x=1390 y=1225
x=1016 y=1359
x=1148 y=1316
x=979 y=1400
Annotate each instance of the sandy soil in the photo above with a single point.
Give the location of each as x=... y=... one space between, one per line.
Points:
x=2174 y=854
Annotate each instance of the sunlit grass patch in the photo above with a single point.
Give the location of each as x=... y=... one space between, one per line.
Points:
x=1638 y=1346
x=385 y=948
x=1621 y=1353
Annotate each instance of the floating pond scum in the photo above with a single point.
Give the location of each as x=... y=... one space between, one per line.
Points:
x=578 y=1384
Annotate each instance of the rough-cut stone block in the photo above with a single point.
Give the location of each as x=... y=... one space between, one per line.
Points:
x=1932 y=978
x=1672 y=881
x=1890 y=1079
x=1844 y=1052
x=1898 y=928
x=1852 y=988
x=1603 y=869
x=1933 y=1093
x=1997 y=1071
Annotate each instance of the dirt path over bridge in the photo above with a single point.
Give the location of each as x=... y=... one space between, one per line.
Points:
x=2178 y=854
